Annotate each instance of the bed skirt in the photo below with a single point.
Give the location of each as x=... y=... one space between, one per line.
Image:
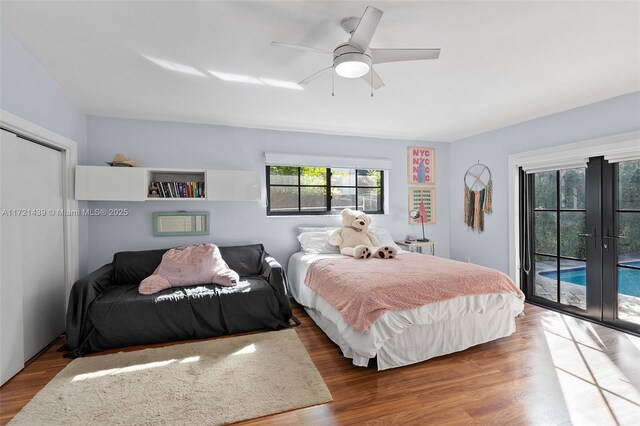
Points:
x=422 y=342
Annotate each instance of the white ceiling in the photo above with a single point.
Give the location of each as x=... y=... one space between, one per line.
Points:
x=501 y=62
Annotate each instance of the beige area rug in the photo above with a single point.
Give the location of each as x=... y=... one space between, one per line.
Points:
x=203 y=383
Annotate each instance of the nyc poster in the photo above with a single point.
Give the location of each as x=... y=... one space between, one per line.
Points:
x=421 y=165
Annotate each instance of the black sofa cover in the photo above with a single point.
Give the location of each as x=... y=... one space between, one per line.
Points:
x=106 y=311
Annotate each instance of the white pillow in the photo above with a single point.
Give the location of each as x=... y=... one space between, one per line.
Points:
x=384 y=236
x=302 y=229
x=317 y=242
x=316 y=239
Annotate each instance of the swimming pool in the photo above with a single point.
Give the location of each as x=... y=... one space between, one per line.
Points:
x=628 y=279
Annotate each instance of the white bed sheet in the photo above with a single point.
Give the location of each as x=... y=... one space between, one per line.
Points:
x=501 y=308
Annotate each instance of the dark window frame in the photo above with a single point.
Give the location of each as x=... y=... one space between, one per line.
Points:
x=327 y=186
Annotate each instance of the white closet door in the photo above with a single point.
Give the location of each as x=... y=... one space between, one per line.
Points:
x=11 y=330
x=37 y=173
x=32 y=252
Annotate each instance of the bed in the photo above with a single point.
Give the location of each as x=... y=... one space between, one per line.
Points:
x=402 y=337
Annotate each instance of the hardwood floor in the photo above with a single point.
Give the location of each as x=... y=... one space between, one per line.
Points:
x=554 y=370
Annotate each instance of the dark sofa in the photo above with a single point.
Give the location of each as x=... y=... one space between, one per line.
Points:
x=106 y=311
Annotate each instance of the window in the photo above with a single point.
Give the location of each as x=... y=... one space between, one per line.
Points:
x=320 y=190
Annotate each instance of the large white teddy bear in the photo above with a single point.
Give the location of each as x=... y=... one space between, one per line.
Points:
x=355 y=239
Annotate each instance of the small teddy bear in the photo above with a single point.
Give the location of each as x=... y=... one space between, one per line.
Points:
x=355 y=239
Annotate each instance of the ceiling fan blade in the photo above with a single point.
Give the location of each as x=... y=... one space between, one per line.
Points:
x=379 y=56
x=363 y=33
x=299 y=47
x=373 y=79
x=314 y=76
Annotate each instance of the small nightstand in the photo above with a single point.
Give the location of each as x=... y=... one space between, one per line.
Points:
x=419 y=247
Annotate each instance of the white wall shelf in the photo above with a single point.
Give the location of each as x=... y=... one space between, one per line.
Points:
x=103 y=183
x=110 y=183
x=233 y=185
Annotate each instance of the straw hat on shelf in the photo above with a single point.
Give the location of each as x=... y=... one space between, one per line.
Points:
x=120 y=160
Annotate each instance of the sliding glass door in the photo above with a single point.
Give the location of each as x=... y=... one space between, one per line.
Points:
x=580 y=229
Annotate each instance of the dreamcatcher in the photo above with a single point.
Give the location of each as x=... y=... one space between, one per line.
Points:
x=478 y=189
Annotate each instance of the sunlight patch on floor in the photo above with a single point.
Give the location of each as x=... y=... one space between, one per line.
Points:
x=583 y=402
x=246 y=350
x=129 y=369
x=595 y=389
x=574 y=329
x=566 y=357
x=635 y=340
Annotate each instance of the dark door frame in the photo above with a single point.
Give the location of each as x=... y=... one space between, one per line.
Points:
x=601 y=289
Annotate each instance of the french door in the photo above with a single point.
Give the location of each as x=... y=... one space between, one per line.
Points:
x=580 y=233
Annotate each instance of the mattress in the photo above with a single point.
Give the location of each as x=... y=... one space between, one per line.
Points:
x=500 y=309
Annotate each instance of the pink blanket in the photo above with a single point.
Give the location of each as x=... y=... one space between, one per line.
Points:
x=363 y=290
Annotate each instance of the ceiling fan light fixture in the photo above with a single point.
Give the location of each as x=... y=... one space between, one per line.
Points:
x=352 y=65
x=355 y=58
x=352 y=69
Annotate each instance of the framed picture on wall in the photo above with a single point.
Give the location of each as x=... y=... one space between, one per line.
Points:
x=421 y=165
x=173 y=224
x=424 y=201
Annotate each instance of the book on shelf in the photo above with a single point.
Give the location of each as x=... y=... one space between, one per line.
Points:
x=175 y=189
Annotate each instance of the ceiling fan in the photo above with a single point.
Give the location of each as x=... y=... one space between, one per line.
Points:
x=355 y=59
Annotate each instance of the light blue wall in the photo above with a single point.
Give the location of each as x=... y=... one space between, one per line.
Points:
x=491 y=248
x=193 y=146
x=28 y=91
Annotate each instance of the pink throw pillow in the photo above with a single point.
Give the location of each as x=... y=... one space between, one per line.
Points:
x=199 y=264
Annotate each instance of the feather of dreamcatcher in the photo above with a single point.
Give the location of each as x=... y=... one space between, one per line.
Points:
x=466 y=205
x=488 y=208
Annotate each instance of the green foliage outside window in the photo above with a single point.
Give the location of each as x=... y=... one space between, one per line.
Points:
x=629 y=207
x=560 y=195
